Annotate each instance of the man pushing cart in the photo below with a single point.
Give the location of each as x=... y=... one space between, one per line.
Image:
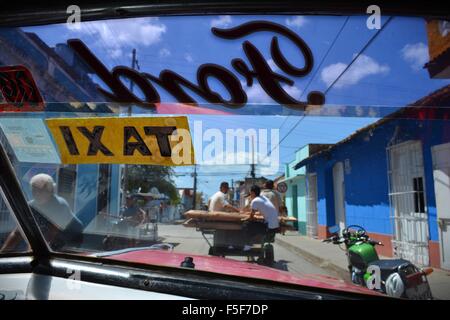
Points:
x=249 y=232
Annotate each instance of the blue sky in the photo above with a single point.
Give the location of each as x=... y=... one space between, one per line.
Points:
x=310 y=130
x=388 y=74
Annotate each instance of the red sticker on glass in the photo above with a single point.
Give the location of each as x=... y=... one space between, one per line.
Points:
x=19 y=90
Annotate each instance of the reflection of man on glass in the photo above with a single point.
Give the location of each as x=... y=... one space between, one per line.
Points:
x=130 y=208
x=132 y=213
x=55 y=218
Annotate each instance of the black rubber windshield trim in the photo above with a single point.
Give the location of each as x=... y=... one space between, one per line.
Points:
x=18 y=13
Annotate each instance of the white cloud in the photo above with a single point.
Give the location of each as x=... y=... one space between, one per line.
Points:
x=188 y=57
x=364 y=66
x=115 y=52
x=272 y=65
x=359 y=111
x=164 y=52
x=328 y=110
x=372 y=112
x=221 y=22
x=331 y=72
x=296 y=22
x=115 y=34
x=257 y=95
x=416 y=55
x=293 y=91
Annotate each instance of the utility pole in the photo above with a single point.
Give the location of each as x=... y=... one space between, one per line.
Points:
x=232 y=192
x=194 y=200
x=129 y=113
x=252 y=174
x=133 y=66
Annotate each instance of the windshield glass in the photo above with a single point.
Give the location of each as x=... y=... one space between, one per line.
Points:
x=157 y=140
x=12 y=240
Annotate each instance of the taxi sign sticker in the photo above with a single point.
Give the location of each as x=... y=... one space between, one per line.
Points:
x=142 y=140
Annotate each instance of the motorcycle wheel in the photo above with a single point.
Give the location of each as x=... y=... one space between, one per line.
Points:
x=395 y=286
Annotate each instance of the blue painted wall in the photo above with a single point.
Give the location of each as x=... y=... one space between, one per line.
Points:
x=86 y=192
x=114 y=198
x=366 y=179
x=296 y=204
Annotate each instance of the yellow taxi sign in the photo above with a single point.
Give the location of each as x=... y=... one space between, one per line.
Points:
x=140 y=140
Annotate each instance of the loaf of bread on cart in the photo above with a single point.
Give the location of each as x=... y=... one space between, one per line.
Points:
x=220 y=220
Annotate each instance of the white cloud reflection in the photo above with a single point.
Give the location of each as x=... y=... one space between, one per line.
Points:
x=296 y=22
x=221 y=22
x=363 y=67
x=416 y=55
x=114 y=35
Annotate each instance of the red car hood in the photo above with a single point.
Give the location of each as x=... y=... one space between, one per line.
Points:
x=237 y=268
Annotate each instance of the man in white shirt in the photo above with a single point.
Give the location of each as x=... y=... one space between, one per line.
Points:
x=264 y=206
x=218 y=201
x=272 y=195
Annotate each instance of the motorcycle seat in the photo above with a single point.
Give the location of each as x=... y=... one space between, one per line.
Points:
x=389 y=266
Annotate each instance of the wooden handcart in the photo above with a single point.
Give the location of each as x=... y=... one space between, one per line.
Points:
x=226 y=235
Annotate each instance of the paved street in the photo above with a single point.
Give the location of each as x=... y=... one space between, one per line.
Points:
x=293 y=253
x=188 y=240
x=331 y=258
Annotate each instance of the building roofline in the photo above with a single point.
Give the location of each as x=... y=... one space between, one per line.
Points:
x=298 y=176
x=323 y=145
x=434 y=99
x=435 y=66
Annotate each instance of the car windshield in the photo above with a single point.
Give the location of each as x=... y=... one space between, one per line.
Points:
x=233 y=143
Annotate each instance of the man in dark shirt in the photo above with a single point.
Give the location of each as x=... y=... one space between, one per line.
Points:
x=130 y=208
x=132 y=213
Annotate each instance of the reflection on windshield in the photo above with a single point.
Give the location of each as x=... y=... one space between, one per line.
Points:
x=11 y=235
x=326 y=55
x=374 y=153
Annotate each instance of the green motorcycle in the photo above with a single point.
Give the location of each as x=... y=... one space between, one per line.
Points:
x=395 y=277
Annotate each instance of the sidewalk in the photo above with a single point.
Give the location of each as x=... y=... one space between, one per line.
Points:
x=334 y=260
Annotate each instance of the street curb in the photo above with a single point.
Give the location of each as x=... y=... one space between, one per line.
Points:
x=321 y=262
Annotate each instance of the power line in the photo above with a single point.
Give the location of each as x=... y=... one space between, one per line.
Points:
x=285 y=119
x=285 y=136
x=358 y=54
x=325 y=56
x=354 y=59
x=310 y=81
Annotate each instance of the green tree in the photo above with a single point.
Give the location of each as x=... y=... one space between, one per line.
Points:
x=199 y=198
x=149 y=176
